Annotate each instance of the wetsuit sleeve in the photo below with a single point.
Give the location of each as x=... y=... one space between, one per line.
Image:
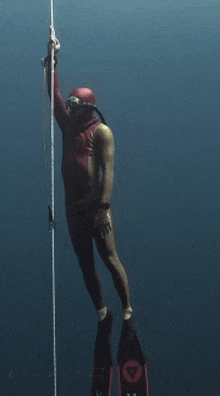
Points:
x=60 y=111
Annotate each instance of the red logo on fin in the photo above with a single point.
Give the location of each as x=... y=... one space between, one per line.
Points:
x=132 y=371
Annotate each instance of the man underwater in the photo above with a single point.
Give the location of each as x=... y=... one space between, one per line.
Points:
x=88 y=173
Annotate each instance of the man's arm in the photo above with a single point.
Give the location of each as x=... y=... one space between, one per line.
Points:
x=56 y=80
x=105 y=152
x=60 y=111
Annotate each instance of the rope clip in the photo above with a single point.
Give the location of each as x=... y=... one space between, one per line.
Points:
x=44 y=61
x=51 y=220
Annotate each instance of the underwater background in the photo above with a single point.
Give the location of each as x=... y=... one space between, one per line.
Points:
x=154 y=66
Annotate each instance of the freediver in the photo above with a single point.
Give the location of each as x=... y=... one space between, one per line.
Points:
x=88 y=173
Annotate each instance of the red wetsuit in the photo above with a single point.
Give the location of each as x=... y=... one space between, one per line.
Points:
x=78 y=146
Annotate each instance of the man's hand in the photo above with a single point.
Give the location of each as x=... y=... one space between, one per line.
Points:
x=103 y=222
x=53 y=41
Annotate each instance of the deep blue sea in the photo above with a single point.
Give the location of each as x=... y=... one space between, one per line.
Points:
x=155 y=68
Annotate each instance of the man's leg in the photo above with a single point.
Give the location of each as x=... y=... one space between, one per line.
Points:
x=107 y=251
x=82 y=240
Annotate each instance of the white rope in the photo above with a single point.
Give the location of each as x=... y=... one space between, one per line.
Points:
x=44 y=127
x=52 y=206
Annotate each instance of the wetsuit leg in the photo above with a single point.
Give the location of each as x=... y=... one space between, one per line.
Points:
x=81 y=233
x=107 y=251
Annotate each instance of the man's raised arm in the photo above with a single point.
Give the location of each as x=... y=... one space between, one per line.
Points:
x=60 y=111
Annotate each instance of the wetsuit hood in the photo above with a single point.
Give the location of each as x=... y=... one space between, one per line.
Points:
x=87 y=98
x=84 y=94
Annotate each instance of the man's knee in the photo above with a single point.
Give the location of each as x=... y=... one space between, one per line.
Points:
x=83 y=249
x=112 y=262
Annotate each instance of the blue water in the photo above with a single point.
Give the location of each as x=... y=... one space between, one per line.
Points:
x=154 y=66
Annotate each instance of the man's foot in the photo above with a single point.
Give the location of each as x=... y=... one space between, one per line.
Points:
x=127 y=313
x=107 y=320
x=103 y=348
x=105 y=325
x=102 y=313
x=128 y=328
